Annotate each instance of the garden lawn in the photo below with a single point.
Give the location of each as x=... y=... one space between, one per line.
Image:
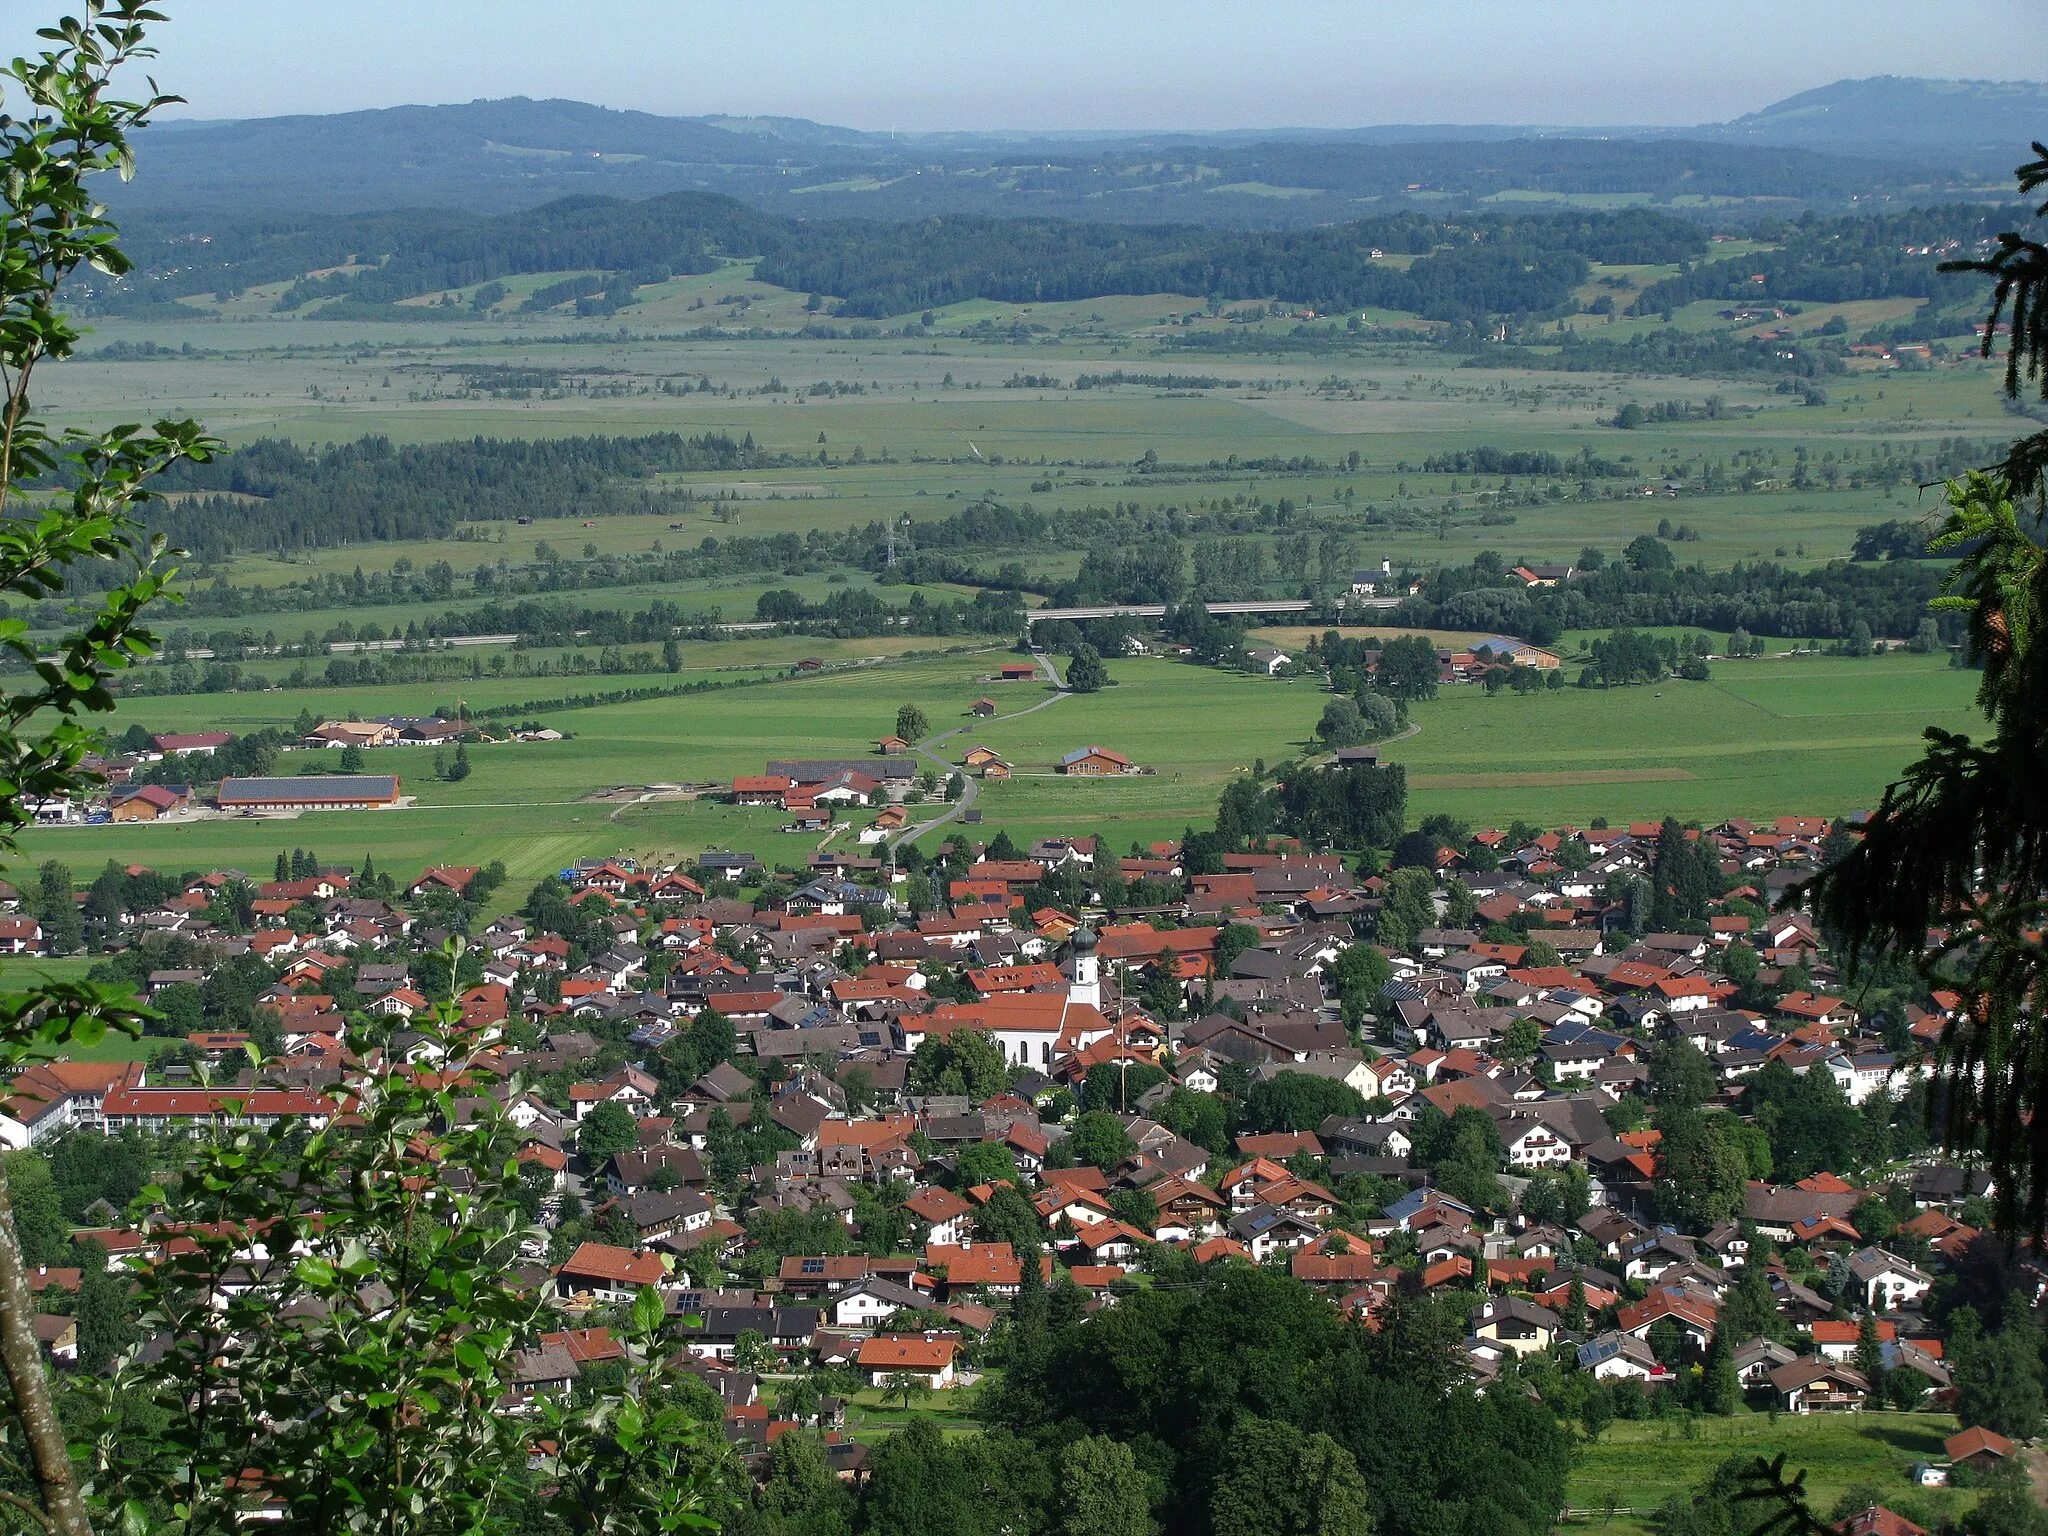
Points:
x=1637 y=1465
x=953 y=1410
x=20 y=972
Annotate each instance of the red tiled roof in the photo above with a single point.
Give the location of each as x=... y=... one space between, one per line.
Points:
x=978 y=1263
x=907 y=1352
x=604 y=1262
x=208 y=1102
x=1974 y=1440
x=587 y=1345
x=1137 y=940
x=936 y=1205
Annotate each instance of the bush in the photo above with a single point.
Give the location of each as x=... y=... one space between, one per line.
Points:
x=1343 y=723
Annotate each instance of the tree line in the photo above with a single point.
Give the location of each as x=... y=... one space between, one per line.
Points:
x=1648 y=589
x=1832 y=260
x=1469 y=265
x=371 y=488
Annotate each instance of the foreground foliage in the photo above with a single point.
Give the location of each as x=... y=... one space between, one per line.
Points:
x=1959 y=846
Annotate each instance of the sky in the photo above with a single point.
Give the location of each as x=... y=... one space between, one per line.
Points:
x=1073 y=64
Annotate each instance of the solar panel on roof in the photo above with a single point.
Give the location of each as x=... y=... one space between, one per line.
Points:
x=309 y=788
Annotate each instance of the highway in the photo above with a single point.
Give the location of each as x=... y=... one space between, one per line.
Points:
x=1216 y=610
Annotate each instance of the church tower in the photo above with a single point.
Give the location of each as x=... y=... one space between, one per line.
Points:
x=1086 y=985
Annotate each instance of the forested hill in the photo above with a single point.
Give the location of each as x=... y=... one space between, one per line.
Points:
x=1467 y=267
x=1443 y=266
x=1835 y=260
x=1857 y=140
x=1986 y=121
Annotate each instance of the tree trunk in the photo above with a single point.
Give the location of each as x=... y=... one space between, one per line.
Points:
x=22 y=1359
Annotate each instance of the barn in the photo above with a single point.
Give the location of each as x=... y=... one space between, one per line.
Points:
x=341 y=792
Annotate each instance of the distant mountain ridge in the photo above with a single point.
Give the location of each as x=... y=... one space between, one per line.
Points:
x=1885 y=137
x=1891 y=112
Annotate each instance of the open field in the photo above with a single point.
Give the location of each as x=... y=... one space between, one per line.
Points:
x=1394 y=406
x=912 y=428
x=1813 y=735
x=1637 y=1465
x=1809 y=735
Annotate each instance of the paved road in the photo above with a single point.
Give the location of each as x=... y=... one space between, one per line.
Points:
x=970 y=786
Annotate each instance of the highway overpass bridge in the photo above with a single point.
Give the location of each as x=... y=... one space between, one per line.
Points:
x=1216 y=610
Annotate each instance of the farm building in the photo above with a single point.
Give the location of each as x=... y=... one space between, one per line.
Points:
x=146 y=802
x=352 y=733
x=983 y=708
x=431 y=732
x=351 y=792
x=1981 y=1450
x=1519 y=653
x=1017 y=671
x=760 y=788
x=195 y=744
x=1086 y=762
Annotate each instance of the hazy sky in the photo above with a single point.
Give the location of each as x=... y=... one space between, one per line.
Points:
x=977 y=64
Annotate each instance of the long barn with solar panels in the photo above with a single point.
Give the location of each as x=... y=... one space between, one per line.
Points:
x=341 y=792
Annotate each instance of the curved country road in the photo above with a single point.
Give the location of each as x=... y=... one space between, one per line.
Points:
x=970 y=787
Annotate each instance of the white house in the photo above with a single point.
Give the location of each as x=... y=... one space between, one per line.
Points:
x=868 y=1302
x=1887 y=1281
x=929 y=1356
x=1860 y=1076
x=1534 y=1144
x=1620 y=1357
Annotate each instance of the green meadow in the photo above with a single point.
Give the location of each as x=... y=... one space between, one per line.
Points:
x=1637 y=1465
x=915 y=428
x=1811 y=735
x=1808 y=735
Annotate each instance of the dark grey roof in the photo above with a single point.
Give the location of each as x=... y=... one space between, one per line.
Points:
x=817 y=770
x=1260 y=965
x=723 y=1323
x=310 y=788
x=655 y=1207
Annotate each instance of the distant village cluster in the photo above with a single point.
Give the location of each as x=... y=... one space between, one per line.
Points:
x=835 y=1113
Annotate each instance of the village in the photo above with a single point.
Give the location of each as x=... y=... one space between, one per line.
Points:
x=840 y=1114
